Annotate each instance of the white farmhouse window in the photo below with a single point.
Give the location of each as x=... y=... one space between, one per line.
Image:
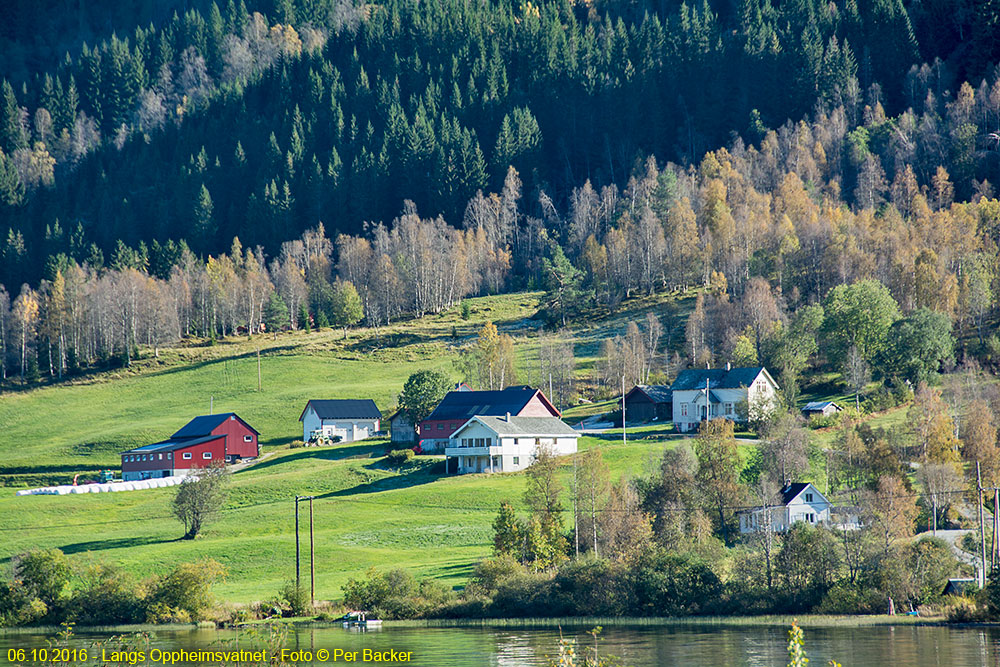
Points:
x=517 y=460
x=187 y=455
x=684 y=409
x=809 y=497
x=206 y=455
x=729 y=408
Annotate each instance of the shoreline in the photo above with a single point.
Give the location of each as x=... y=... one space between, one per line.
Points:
x=803 y=620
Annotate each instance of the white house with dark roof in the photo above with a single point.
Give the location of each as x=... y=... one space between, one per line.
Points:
x=458 y=406
x=800 y=501
x=701 y=394
x=504 y=444
x=348 y=419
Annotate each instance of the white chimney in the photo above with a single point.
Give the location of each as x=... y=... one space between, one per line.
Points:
x=729 y=366
x=507 y=418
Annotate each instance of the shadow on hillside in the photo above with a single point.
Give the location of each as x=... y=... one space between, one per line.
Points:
x=37 y=470
x=405 y=481
x=211 y=362
x=117 y=543
x=665 y=433
x=333 y=453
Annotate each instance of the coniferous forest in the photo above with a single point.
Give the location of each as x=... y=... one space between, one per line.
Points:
x=205 y=155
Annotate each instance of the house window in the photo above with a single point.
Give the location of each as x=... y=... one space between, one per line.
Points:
x=684 y=409
x=206 y=455
x=169 y=455
x=809 y=497
x=440 y=427
x=159 y=457
x=248 y=438
x=489 y=442
x=187 y=455
x=517 y=460
x=515 y=441
x=729 y=408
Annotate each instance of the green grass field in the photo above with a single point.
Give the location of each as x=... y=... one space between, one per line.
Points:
x=365 y=514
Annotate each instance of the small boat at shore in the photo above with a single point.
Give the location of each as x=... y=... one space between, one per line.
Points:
x=360 y=619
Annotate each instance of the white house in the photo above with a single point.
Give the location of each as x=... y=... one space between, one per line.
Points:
x=706 y=393
x=797 y=502
x=348 y=419
x=506 y=444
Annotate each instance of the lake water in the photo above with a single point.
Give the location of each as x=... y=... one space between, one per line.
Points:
x=648 y=646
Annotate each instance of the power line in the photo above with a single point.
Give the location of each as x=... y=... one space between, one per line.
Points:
x=463 y=507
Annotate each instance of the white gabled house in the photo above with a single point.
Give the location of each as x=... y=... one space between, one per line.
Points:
x=346 y=419
x=797 y=502
x=701 y=394
x=506 y=444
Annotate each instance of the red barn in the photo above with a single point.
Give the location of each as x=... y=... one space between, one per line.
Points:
x=457 y=407
x=204 y=441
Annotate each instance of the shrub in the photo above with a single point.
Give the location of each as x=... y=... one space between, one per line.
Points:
x=399 y=456
x=108 y=596
x=187 y=587
x=389 y=594
x=159 y=613
x=824 y=421
x=296 y=599
x=490 y=574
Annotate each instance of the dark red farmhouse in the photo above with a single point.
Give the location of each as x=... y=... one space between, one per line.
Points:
x=204 y=441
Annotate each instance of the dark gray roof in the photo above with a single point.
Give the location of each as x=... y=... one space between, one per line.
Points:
x=345 y=408
x=718 y=378
x=172 y=444
x=819 y=405
x=467 y=404
x=533 y=426
x=203 y=425
x=658 y=393
x=790 y=491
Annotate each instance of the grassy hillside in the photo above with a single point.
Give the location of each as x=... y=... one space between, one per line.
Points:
x=83 y=426
x=365 y=514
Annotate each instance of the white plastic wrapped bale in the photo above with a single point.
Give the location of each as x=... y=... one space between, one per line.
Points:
x=63 y=491
x=78 y=489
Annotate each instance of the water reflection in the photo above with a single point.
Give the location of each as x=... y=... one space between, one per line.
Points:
x=648 y=646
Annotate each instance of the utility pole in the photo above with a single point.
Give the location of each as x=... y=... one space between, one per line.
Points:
x=211 y=405
x=576 y=513
x=996 y=527
x=312 y=558
x=312 y=545
x=624 y=440
x=297 y=578
x=982 y=527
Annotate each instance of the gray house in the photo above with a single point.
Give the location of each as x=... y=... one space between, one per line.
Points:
x=701 y=394
x=401 y=429
x=797 y=502
x=820 y=408
x=646 y=403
